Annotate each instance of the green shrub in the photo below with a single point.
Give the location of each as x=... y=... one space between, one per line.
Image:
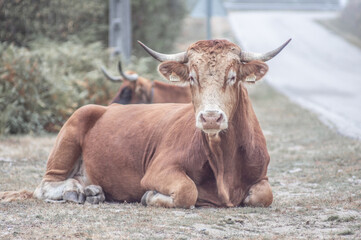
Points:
x=51 y=51
x=24 y=92
x=23 y=21
x=157 y=23
x=40 y=89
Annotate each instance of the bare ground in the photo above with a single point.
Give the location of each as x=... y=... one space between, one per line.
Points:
x=315 y=174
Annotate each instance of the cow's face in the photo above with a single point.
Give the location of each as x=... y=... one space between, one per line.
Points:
x=215 y=70
x=142 y=91
x=134 y=92
x=215 y=73
x=125 y=93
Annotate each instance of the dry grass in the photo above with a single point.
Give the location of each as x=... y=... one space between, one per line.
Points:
x=315 y=174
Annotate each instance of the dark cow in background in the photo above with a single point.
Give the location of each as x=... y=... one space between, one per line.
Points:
x=136 y=89
x=210 y=152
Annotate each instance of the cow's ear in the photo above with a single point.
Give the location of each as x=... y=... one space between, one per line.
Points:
x=174 y=72
x=253 y=71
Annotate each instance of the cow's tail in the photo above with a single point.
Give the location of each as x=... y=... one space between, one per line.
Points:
x=15 y=195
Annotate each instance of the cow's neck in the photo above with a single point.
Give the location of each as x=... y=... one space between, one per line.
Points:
x=222 y=148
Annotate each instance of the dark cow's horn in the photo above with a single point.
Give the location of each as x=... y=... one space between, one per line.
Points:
x=178 y=57
x=130 y=77
x=249 y=56
x=107 y=75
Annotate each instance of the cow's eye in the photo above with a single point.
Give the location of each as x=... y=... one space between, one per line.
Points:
x=231 y=80
x=191 y=80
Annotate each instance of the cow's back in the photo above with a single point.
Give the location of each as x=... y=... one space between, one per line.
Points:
x=169 y=93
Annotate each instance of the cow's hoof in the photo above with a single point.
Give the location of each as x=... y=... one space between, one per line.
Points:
x=72 y=196
x=147 y=195
x=94 y=194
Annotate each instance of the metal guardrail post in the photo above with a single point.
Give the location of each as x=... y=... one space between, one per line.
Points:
x=209 y=16
x=120 y=34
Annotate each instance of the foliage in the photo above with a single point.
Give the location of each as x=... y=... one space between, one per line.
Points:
x=22 y=21
x=22 y=103
x=40 y=89
x=51 y=51
x=155 y=20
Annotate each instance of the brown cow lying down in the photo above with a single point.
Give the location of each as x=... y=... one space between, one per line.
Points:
x=136 y=89
x=210 y=152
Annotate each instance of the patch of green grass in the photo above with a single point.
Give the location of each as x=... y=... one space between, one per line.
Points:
x=333 y=218
x=348 y=219
x=339 y=219
x=345 y=233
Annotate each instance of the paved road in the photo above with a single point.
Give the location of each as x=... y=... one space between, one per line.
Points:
x=318 y=69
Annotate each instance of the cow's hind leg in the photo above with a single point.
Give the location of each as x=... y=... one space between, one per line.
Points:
x=68 y=190
x=65 y=178
x=63 y=165
x=74 y=189
x=259 y=195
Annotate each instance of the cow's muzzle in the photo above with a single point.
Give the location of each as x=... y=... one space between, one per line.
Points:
x=211 y=121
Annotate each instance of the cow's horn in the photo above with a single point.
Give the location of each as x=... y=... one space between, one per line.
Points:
x=107 y=75
x=129 y=77
x=249 y=56
x=178 y=57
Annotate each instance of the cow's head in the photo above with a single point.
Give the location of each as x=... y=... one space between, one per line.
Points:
x=215 y=70
x=134 y=89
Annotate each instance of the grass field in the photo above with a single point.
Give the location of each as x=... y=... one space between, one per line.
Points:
x=314 y=172
x=315 y=175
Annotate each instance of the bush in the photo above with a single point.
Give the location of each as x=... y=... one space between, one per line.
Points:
x=51 y=51
x=157 y=23
x=24 y=92
x=40 y=89
x=23 y=21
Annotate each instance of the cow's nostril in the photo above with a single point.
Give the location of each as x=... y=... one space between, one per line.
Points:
x=220 y=118
x=203 y=119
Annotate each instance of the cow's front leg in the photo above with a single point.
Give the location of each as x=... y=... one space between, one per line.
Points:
x=170 y=188
x=154 y=198
x=94 y=194
x=259 y=195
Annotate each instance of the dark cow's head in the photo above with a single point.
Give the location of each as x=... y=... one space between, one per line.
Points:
x=215 y=70
x=134 y=89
